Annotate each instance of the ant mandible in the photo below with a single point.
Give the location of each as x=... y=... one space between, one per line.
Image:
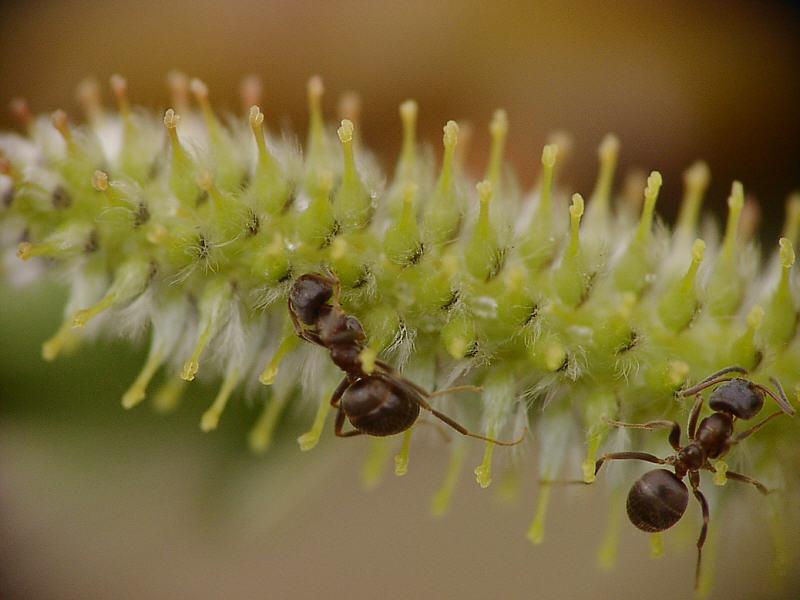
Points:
x=658 y=499
x=378 y=403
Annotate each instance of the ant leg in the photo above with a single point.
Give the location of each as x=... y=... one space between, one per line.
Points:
x=463 y=430
x=747 y=433
x=745 y=479
x=627 y=456
x=674 y=434
x=694 y=479
x=703 y=385
x=781 y=398
x=725 y=371
x=694 y=415
x=340 y=414
x=454 y=389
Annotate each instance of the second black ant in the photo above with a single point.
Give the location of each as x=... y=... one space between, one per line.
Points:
x=378 y=402
x=658 y=499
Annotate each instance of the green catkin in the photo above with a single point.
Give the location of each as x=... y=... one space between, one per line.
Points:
x=197 y=227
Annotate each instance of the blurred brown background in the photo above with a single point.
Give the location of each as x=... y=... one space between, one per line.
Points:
x=96 y=502
x=675 y=80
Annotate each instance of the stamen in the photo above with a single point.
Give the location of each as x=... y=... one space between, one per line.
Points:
x=317 y=155
x=536 y=530
x=401 y=459
x=407 y=169
x=270 y=372
x=499 y=132
x=372 y=470
x=780 y=321
x=214 y=312
x=178 y=85
x=440 y=503
x=250 y=90
x=443 y=215
x=310 y=439
x=791 y=227
x=64 y=339
x=720 y=472
x=695 y=184
x=600 y=204
x=61 y=123
x=261 y=435
x=353 y=204
x=679 y=303
x=570 y=278
x=88 y=95
x=210 y=418
x=168 y=396
x=483 y=472
x=656 y=545
x=745 y=351
x=349 y=109
x=136 y=393
x=119 y=87
x=402 y=242
x=131 y=280
x=483 y=254
x=609 y=548
x=539 y=245
x=22 y=113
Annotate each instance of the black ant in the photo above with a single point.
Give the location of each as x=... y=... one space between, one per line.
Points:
x=378 y=403
x=658 y=499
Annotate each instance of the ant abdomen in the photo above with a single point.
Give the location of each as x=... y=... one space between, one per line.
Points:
x=657 y=501
x=377 y=406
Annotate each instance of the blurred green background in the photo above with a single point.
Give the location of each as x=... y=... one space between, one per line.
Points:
x=98 y=502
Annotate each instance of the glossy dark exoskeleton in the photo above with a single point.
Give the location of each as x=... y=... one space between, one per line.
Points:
x=658 y=499
x=378 y=401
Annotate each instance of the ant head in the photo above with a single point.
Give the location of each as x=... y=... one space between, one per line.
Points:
x=309 y=294
x=739 y=397
x=657 y=500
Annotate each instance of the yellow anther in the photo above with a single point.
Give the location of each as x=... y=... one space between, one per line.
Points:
x=654 y=182
x=25 y=250
x=256 y=118
x=345 y=132
x=100 y=181
x=136 y=393
x=656 y=545
x=82 y=317
x=695 y=181
x=554 y=356
x=63 y=339
x=61 y=123
x=735 y=205
x=787 y=253
x=171 y=119
x=408 y=155
x=450 y=137
x=310 y=439
x=720 y=473
x=367 y=358
x=483 y=472
x=677 y=372
x=536 y=530
x=549 y=153
x=401 y=459
x=210 y=418
x=289 y=343
x=698 y=251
